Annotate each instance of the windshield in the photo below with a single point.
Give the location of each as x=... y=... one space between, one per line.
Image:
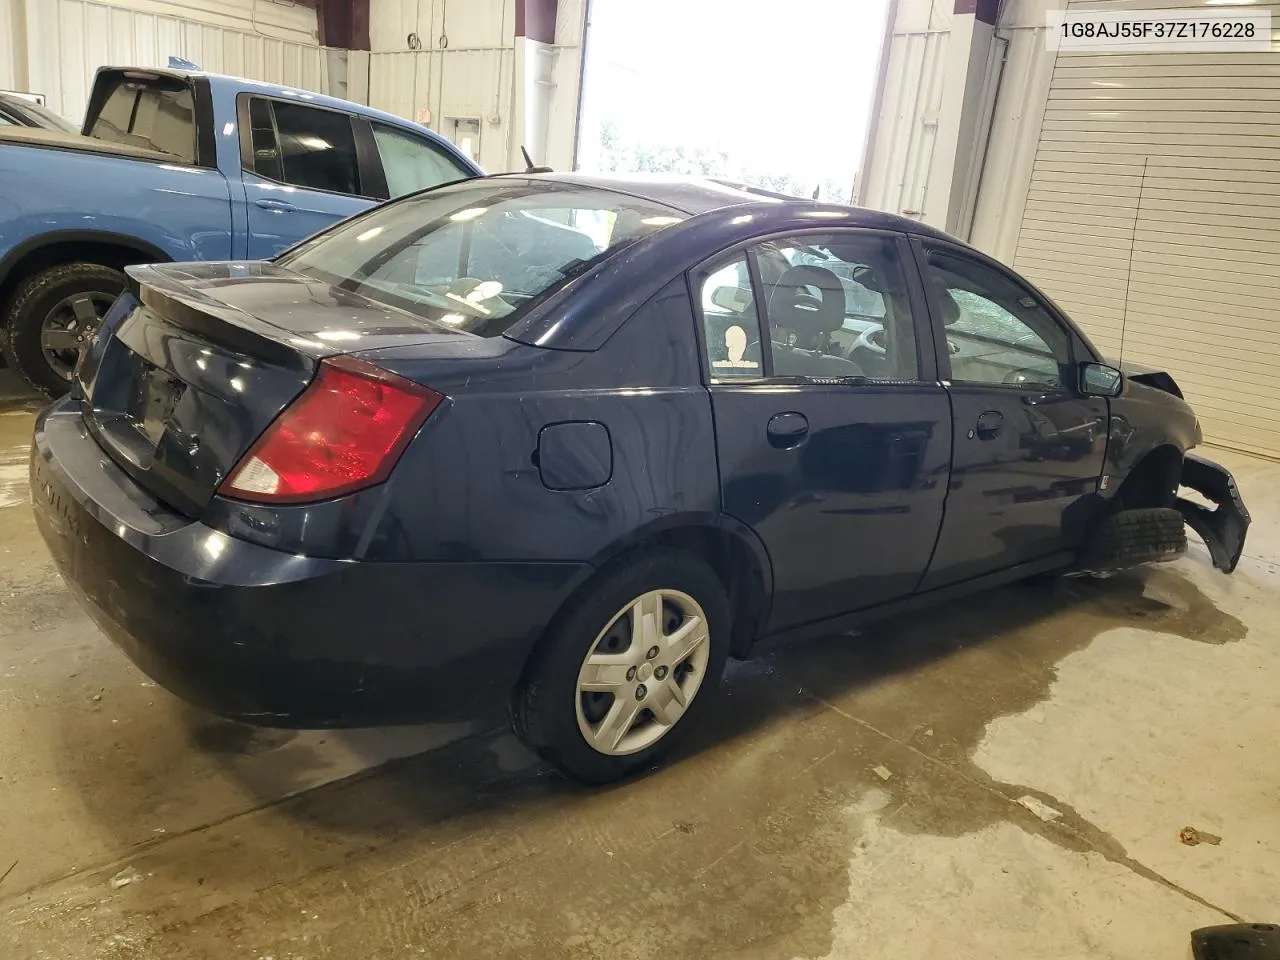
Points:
x=475 y=256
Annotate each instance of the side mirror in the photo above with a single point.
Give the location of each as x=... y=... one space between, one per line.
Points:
x=733 y=299
x=1100 y=380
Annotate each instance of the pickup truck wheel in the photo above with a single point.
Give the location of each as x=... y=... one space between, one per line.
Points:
x=53 y=316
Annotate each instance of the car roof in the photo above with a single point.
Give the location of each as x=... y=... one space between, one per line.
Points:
x=583 y=313
x=695 y=195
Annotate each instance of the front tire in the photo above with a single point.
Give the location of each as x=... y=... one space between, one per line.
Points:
x=53 y=316
x=627 y=669
x=1128 y=538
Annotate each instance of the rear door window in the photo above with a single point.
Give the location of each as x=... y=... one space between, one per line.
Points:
x=836 y=306
x=317 y=148
x=731 y=324
x=266 y=147
x=412 y=163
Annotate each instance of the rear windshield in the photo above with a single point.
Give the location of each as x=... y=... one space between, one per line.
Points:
x=474 y=257
x=48 y=118
x=154 y=113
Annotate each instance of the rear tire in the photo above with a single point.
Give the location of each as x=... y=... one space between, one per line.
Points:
x=1130 y=537
x=58 y=306
x=594 y=642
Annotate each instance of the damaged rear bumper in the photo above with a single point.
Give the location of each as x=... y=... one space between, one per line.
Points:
x=1222 y=528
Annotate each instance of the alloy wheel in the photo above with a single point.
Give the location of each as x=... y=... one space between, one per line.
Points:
x=69 y=326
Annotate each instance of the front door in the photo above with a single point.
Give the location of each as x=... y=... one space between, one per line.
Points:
x=1027 y=446
x=833 y=437
x=301 y=173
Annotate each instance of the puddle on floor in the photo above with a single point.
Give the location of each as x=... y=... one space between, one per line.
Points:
x=1050 y=696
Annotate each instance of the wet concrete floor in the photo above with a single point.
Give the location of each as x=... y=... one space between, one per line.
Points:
x=1005 y=776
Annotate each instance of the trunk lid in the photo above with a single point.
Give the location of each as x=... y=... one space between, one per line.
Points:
x=195 y=361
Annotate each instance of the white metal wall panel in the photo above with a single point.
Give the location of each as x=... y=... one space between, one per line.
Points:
x=450 y=83
x=897 y=177
x=1153 y=217
x=466 y=67
x=10 y=48
x=1010 y=152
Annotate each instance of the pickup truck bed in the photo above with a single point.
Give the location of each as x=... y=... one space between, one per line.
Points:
x=78 y=143
x=177 y=165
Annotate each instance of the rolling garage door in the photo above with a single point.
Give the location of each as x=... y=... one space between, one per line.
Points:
x=1153 y=218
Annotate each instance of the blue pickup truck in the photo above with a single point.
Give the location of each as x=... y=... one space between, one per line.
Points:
x=179 y=165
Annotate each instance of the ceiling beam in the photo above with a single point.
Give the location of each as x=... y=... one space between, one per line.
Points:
x=536 y=19
x=343 y=23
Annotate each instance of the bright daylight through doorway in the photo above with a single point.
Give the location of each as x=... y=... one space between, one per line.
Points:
x=780 y=97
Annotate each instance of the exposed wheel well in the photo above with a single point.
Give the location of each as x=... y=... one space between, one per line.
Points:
x=1153 y=482
x=104 y=252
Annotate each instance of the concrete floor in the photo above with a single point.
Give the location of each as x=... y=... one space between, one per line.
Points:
x=856 y=798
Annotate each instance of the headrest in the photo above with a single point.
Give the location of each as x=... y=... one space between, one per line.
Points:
x=791 y=302
x=947 y=303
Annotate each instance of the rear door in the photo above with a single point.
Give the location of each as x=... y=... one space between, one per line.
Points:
x=1028 y=447
x=832 y=432
x=302 y=170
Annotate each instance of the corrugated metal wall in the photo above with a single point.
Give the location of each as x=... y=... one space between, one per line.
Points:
x=897 y=178
x=55 y=47
x=1153 y=217
x=467 y=67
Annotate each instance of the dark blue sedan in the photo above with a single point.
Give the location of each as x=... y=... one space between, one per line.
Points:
x=567 y=443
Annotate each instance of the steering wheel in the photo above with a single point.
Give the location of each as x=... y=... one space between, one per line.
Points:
x=870 y=340
x=1027 y=375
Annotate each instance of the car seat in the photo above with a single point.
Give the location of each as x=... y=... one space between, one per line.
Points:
x=811 y=320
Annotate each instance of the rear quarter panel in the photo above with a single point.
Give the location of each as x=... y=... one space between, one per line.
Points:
x=470 y=487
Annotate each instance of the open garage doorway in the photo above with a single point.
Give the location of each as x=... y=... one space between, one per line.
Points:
x=775 y=95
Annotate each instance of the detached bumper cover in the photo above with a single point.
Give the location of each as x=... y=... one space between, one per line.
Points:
x=1223 y=528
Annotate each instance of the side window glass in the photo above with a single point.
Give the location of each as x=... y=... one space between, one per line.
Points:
x=317 y=148
x=998 y=333
x=266 y=149
x=837 y=307
x=411 y=163
x=730 y=322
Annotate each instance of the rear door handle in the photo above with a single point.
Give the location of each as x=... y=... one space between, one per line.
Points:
x=276 y=206
x=990 y=423
x=787 y=430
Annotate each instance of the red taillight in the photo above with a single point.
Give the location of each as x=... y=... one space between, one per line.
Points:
x=344 y=433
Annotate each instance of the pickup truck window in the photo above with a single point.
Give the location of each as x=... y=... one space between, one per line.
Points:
x=155 y=114
x=317 y=148
x=413 y=164
x=266 y=148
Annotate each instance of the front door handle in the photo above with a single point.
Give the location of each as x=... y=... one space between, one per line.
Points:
x=276 y=206
x=990 y=423
x=787 y=430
